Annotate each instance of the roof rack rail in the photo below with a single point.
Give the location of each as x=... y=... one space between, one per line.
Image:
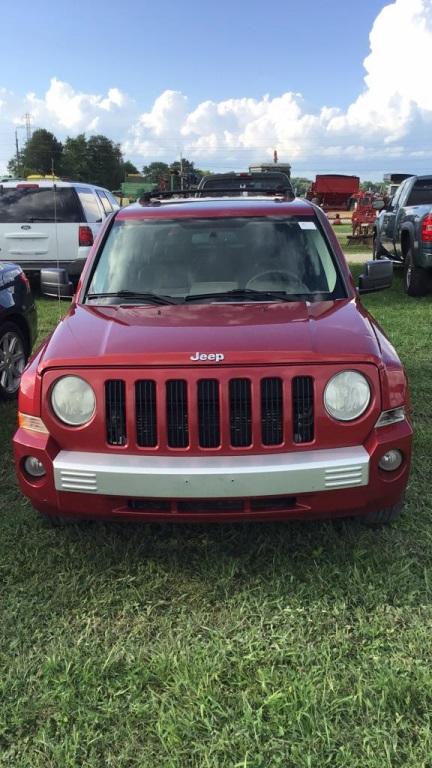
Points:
x=156 y=196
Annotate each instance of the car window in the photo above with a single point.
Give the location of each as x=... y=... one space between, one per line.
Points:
x=396 y=197
x=89 y=202
x=32 y=204
x=114 y=202
x=187 y=257
x=421 y=193
x=261 y=181
x=106 y=205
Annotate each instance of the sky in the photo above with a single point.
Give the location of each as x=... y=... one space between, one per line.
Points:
x=333 y=85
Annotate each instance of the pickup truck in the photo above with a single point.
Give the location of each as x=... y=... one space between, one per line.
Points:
x=403 y=233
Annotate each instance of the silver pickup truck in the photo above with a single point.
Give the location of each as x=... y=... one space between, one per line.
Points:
x=403 y=232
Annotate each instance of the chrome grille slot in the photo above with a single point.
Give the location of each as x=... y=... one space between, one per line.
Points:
x=145 y=413
x=208 y=413
x=271 y=411
x=303 y=409
x=115 y=412
x=240 y=412
x=177 y=413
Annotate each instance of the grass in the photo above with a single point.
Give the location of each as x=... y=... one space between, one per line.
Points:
x=341 y=232
x=298 y=645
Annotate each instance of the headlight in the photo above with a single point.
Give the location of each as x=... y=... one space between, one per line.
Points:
x=347 y=395
x=73 y=400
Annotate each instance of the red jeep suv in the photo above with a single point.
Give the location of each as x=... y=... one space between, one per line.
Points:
x=216 y=364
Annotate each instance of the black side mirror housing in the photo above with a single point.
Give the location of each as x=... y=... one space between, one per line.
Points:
x=55 y=282
x=377 y=276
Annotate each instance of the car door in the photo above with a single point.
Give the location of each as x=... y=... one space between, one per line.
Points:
x=388 y=227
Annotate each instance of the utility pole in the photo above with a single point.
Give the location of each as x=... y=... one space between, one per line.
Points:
x=181 y=172
x=17 y=152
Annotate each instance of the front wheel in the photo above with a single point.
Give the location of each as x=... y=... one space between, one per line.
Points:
x=381 y=517
x=12 y=360
x=416 y=279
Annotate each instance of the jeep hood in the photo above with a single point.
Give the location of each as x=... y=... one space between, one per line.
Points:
x=244 y=333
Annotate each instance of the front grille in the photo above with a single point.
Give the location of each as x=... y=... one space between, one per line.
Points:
x=212 y=506
x=146 y=419
x=303 y=409
x=115 y=406
x=271 y=411
x=177 y=413
x=240 y=412
x=208 y=413
x=211 y=413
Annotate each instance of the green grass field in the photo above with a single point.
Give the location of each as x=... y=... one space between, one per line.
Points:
x=248 y=646
x=341 y=232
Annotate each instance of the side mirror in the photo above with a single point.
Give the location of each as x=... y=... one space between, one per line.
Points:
x=377 y=276
x=55 y=282
x=379 y=205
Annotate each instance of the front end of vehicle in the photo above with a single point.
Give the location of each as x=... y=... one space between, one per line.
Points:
x=214 y=443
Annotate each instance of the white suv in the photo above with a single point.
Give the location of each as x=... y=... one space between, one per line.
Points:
x=51 y=224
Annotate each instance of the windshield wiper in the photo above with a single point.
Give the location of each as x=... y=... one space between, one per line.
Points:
x=249 y=293
x=151 y=298
x=36 y=219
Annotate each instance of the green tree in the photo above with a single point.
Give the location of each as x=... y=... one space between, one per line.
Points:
x=301 y=185
x=75 y=163
x=105 y=162
x=129 y=167
x=372 y=186
x=156 y=172
x=42 y=153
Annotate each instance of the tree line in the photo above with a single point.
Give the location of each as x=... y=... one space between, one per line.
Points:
x=96 y=159
x=99 y=160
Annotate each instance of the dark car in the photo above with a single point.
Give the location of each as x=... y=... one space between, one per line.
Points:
x=17 y=327
x=245 y=183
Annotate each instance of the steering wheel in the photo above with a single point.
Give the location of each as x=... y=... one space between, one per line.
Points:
x=285 y=273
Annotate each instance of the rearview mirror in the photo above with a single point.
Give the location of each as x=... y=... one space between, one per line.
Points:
x=377 y=276
x=55 y=282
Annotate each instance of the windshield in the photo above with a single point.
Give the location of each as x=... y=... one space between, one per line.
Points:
x=190 y=258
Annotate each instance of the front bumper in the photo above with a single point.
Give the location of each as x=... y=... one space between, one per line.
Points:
x=212 y=477
x=292 y=485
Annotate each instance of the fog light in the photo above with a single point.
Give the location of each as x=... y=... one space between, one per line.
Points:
x=391 y=460
x=34 y=467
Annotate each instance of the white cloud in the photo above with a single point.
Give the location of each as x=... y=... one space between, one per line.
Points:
x=389 y=122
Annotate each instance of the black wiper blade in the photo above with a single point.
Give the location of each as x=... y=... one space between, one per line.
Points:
x=36 y=219
x=152 y=298
x=249 y=293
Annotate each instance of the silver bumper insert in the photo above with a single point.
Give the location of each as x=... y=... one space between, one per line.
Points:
x=181 y=477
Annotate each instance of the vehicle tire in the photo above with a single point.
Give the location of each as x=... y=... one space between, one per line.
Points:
x=381 y=517
x=416 y=279
x=377 y=250
x=13 y=357
x=57 y=521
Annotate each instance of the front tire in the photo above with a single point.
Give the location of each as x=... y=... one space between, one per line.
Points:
x=416 y=279
x=13 y=357
x=381 y=517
